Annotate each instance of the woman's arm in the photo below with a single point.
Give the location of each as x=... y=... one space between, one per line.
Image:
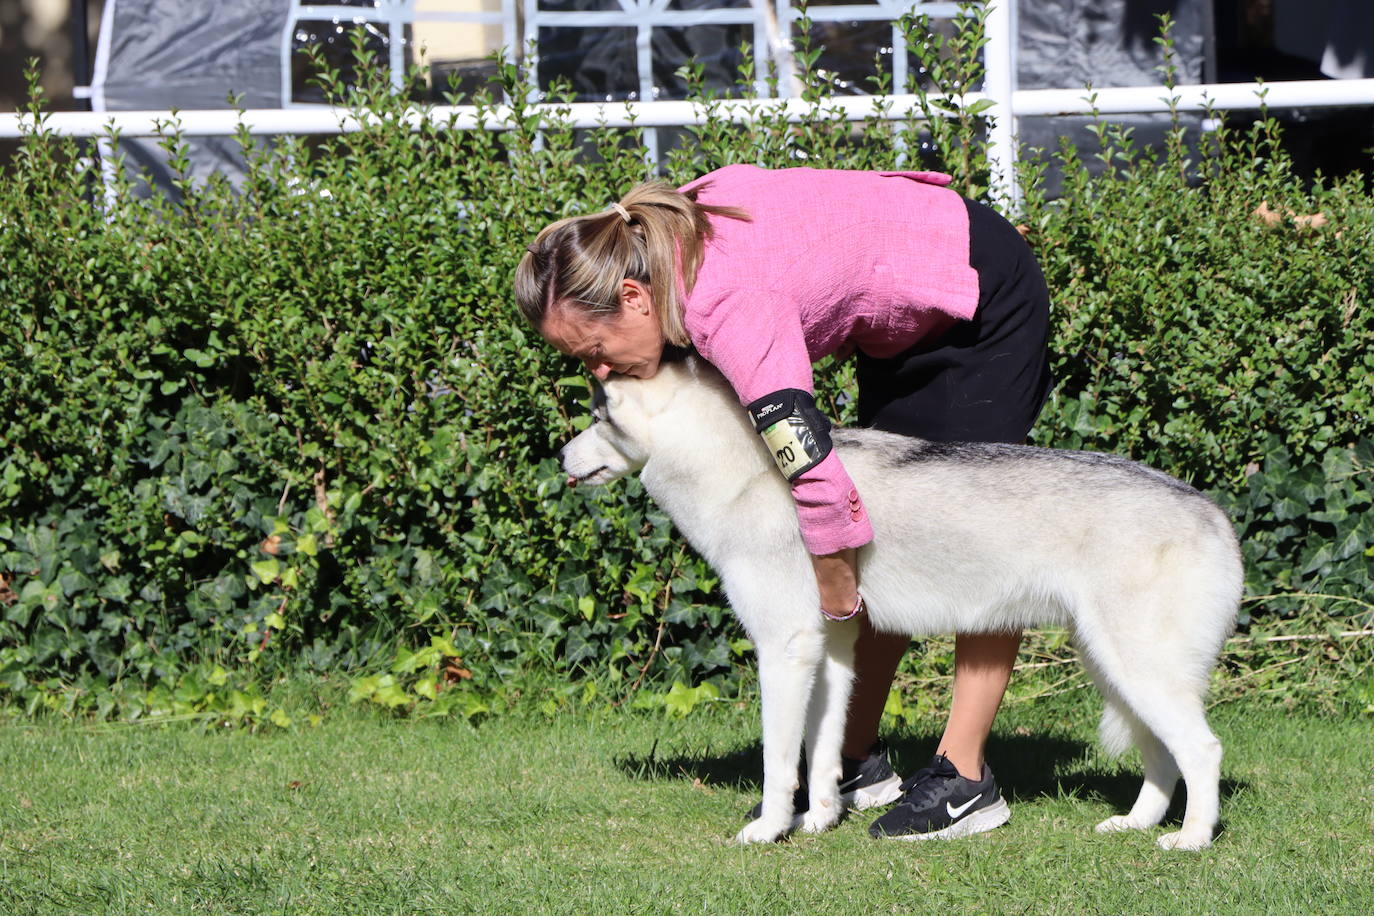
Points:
x=838 y=577
x=758 y=344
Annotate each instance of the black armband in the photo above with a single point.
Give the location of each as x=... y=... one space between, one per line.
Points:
x=798 y=435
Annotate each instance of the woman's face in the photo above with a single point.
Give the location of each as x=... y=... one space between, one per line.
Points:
x=628 y=343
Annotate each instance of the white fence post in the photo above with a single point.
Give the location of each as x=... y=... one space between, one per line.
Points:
x=999 y=84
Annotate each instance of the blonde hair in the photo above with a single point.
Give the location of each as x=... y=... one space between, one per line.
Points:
x=579 y=262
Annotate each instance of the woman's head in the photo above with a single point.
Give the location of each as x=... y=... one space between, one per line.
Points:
x=628 y=341
x=604 y=287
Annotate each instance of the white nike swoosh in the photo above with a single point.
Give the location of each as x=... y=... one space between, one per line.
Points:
x=955 y=812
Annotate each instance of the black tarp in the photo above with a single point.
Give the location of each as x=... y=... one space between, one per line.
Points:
x=1064 y=44
x=188 y=54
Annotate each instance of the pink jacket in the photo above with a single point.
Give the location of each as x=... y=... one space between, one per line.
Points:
x=831 y=258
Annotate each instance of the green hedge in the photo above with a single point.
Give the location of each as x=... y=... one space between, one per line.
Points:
x=298 y=424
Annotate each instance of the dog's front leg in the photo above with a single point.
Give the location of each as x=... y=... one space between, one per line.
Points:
x=825 y=722
x=787 y=669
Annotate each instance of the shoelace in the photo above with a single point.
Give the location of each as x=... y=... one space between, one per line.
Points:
x=920 y=787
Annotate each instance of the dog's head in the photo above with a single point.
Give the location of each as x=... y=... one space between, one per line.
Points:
x=619 y=439
x=612 y=446
x=685 y=416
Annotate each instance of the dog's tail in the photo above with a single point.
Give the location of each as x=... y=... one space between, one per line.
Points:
x=1115 y=728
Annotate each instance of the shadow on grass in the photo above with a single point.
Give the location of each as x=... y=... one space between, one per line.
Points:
x=1027 y=767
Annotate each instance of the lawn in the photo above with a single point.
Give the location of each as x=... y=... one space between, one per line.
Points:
x=621 y=812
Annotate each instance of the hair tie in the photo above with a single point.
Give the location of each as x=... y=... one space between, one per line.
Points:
x=624 y=214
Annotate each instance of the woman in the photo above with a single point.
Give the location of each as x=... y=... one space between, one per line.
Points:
x=764 y=272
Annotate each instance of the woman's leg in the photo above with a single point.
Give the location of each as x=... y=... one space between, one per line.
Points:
x=982 y=667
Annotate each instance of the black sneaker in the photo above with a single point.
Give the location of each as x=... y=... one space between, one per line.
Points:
x=867 y=783
x=941 y=804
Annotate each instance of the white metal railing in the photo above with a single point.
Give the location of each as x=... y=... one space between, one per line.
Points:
x=1008 y=103
x=771 y=22
x=220 y=122
x=320 y=119
x=392 y=15
x=999 y=82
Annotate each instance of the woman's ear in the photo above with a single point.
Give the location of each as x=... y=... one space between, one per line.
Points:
x=635 y=295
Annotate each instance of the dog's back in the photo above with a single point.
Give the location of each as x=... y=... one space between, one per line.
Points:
x=1026 y=536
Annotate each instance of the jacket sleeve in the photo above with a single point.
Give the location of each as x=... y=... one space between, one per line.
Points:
x=761 y=349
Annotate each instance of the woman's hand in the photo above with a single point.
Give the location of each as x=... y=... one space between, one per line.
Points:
x=838 y=578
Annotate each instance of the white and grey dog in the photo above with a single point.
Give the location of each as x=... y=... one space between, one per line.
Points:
x=1143 y=569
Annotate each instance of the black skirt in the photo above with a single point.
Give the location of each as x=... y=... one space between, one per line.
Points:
x=983 y=380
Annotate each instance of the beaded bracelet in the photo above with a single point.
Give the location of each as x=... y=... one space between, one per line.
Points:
x=858 y=609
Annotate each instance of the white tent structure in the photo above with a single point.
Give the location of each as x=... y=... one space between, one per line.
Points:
x=195 y=54
x=157 y=55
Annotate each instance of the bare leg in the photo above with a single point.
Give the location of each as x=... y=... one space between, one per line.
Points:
x=982 y=668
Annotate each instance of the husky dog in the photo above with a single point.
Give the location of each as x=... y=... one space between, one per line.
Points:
x=1143 y=570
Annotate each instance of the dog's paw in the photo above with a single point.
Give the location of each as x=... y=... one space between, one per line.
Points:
x=819 y=821
x=1118 y=823
x=1190 y=841
x=762 y=831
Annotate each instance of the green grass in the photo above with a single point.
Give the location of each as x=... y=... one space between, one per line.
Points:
x=631 y=813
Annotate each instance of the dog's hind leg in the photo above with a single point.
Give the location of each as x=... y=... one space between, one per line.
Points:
x=788 y=664
x=825 y=723
x=1169 y=708
x=1119 y=728
x=1197 y=752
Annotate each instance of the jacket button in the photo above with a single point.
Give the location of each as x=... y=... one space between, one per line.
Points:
x=853 y=495
x=856 y=515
